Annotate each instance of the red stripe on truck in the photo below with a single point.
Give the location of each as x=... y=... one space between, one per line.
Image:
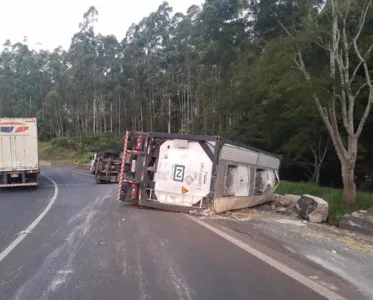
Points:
x=124 y=154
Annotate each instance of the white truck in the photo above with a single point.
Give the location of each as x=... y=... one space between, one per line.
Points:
x=19 y=158
x=187 y=173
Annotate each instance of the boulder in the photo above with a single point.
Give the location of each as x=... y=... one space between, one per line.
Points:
x=281 y=209
x=369 y=214
x=360 y=221
x=369 y=211
x=359 y=214
x=287 y=200
x=293 y=198
x=312 y=208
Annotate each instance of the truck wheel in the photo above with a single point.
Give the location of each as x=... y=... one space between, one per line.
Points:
x=98 y=180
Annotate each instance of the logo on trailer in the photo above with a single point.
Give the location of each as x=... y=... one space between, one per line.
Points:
x=179 y=173
x=13 y=127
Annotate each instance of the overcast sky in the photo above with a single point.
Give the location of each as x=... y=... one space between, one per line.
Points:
x=53 y=23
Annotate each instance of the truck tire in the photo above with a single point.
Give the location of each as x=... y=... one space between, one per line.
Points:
x=98 y=180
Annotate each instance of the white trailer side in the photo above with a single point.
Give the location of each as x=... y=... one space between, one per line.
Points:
x=19 y=158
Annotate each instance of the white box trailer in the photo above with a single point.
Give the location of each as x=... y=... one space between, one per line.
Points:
x=19 y=158
x=194 y=172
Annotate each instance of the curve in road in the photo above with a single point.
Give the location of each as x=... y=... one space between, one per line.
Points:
x=29 y=229
x=89 y=246
x=19 y=207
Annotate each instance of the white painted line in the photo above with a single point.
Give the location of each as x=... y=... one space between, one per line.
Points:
x=323 y=291
x=58 y=169
x=29 y=229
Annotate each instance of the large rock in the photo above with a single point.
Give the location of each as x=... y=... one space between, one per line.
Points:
x=287 y=200
x=313 y=208
x=370 y=211
x=292 y=198
x=369 y=214
x=281 y=209
x=360 y=221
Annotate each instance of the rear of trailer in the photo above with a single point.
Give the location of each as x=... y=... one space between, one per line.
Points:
x=108 y=167
x=194 y=172
x=19 y=159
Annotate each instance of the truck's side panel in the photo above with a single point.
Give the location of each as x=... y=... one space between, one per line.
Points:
x=238 y=154
x=268 y=161
x=246 y=177
x=18 y=151
x=247 y=156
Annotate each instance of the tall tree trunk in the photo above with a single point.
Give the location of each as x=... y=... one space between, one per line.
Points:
x=349 y=187
x=119 y=121
x=111 y=117
x=105 y=122
x=169 y=114
x=94 y=113
x=153 y=109
x=141 y=119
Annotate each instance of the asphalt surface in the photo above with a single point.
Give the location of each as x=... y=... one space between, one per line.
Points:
x=89 y=246
x=19 y=207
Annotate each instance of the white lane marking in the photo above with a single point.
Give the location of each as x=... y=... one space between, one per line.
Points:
x=81 y=173
x=323 y=291
x=24 y=233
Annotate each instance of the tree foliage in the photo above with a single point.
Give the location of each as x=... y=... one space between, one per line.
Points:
x=231 y=67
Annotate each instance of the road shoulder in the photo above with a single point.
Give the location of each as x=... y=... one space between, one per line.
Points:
x=305 y=250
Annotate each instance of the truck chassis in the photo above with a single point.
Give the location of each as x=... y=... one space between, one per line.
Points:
x=108 y=167
x=19 y=178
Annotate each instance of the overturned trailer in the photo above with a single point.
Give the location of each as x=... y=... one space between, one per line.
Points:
x=182 y=172
x=108 y=166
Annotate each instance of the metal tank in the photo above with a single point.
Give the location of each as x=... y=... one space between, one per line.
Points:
x=194 y=172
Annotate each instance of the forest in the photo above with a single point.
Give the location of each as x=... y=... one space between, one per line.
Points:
x=288 y=76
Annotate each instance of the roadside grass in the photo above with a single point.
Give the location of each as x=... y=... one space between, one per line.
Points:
x=334 y=197
x=80 y=159
x=67 y=149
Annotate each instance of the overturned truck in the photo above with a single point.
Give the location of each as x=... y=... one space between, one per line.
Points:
x=108 y=166
x=192 y=173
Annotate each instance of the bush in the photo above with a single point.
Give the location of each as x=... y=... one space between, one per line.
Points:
x=334 y=197
x=80 y=148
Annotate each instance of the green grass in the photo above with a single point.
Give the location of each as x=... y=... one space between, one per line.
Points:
x=80 y=159
x=66 y=149
x=334 y=197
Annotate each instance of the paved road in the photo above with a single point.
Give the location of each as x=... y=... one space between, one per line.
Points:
x=19 y=207
x=90 y=247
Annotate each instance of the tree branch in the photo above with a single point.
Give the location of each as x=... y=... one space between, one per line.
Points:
x=325 y=150
x=285 y=29
x=329 y=121
x=360 y=88
x=366 y=70
x=305 y=161
x=342 y=97
x=362 y=20
x=365 y=115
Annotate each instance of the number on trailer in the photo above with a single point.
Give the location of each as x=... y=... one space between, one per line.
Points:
x=179 y=173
